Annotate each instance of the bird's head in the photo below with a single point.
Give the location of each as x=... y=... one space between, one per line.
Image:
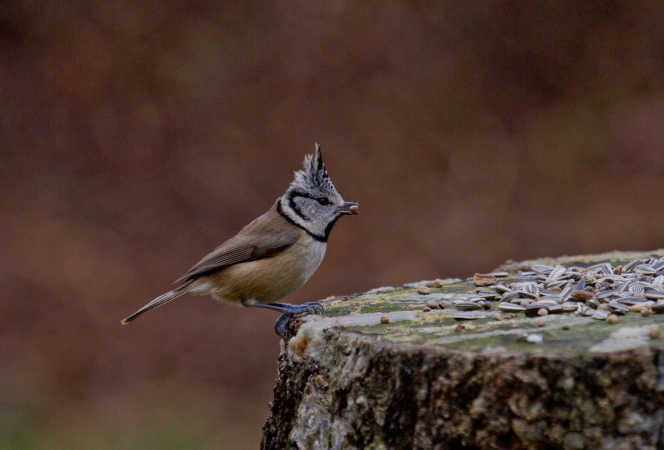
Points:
x=312 y=201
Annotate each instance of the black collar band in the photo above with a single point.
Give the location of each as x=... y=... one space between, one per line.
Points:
x=315 y=237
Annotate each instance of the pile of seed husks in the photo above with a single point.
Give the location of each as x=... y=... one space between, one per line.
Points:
x=601 y=291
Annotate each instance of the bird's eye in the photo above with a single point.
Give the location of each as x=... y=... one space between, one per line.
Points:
x=323 y=201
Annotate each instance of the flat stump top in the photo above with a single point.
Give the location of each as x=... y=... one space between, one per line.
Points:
x=590 y=304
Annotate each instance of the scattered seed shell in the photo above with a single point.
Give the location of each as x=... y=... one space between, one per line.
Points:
x=534 y=339
x=468 y=306
x=600 y=315
x=484 y=279
x=467 y=316
x=655 y=332
x=510 y=307
x=433 y=304
x=582 y=295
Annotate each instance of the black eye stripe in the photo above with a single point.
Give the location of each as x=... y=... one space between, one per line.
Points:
x=321 y=200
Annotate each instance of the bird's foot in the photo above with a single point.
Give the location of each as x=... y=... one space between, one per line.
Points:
x=288 y=312
x=292 y=311
x=281 y=325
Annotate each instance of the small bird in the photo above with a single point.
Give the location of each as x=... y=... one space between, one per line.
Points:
x=274 y=254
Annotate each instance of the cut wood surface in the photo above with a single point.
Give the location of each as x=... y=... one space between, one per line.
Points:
x=453 y=363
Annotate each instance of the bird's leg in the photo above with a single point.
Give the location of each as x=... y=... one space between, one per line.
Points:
x=288 y=311
x=308 y=308
x=286 y=308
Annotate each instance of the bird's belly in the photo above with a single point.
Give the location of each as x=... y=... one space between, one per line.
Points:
x=270 y=279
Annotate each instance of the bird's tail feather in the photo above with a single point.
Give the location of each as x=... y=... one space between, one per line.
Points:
x=159 y=301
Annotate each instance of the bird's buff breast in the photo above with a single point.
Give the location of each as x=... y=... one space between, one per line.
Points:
x=265 y=280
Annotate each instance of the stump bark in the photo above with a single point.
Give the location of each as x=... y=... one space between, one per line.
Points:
x=379 y=371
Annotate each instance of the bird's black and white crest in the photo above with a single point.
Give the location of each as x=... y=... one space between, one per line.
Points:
x=312 y=202
x=314 y=176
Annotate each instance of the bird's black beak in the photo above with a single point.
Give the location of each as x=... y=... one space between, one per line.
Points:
x=350 y=208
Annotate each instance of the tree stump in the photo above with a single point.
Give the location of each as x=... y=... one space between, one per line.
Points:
x=418 y=366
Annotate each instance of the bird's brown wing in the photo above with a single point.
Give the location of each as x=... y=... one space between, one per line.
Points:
x=266 y=236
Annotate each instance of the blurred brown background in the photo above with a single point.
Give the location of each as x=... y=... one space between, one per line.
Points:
x=137 y=135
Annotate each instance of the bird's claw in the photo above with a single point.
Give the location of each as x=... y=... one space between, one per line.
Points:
x=314 y=307
x=281 y=325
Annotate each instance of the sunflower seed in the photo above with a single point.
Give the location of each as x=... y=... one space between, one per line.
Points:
x=468 y=316
x=524 y=273
x=467 y=306
x=604 y=268
x=581 y=285
x=636 y=287
x=557 y=284
x=531 y=310
x=541 y=268
x=510 y=307
x=548 y=301
x=555 y=309
x=585 y=310
x=630 y=264
x=528 y=288
x=600 y=315
x=569 y=306
x=555 y=274
x=500 y=274
x=632 y=300
x=566 y=291
x=618 y=308
x=606 y=294
x=510 y=295
x=644 y=269
x=651 y=293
